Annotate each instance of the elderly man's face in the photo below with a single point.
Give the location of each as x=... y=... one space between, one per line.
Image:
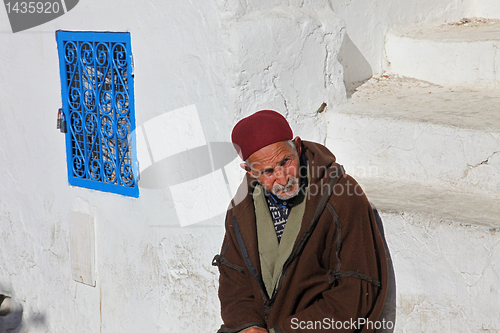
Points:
x=276 y=167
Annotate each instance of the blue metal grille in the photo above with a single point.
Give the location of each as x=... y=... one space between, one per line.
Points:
x=98 y=103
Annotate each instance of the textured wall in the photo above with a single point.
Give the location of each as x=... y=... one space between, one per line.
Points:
x=485 y=8
x=367 y=23
x=445 y=274
x=294 y=68
x=151 y=274
x=228 y=58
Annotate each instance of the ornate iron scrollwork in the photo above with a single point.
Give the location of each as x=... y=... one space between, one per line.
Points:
x=99 y=111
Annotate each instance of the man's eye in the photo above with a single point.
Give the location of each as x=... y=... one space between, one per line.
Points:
x=268 y=172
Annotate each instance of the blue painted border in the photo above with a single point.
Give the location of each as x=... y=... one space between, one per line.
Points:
x=94 y=36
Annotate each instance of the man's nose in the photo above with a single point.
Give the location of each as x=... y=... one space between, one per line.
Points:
x=280 y=177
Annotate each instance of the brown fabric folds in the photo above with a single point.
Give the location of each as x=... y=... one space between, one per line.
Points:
x=337 y=268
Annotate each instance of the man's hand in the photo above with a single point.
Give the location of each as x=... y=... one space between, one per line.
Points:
x=255 y=330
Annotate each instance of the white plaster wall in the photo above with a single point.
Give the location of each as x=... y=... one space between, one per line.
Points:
x=138 y=289
x=486 y=9
x=228 y=58
x=362 y=51
x=295 y=67
x=368 y=22
x=151 y=274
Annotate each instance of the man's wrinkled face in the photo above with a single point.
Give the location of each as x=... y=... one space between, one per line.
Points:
x=276 y=168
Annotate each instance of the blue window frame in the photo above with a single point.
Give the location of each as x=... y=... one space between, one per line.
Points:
x=97 y=87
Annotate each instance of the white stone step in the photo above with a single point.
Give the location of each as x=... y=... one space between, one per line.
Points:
x=444 y=275
x=463 y=53
x=437 y=203
x=444 y=251
x=402 y=129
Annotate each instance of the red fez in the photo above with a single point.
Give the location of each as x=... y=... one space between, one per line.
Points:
x=258 y=131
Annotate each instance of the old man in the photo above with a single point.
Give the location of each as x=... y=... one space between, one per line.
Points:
x=302 y=251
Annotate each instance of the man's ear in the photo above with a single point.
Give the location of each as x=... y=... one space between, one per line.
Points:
x=245 y=167
x=298 y=144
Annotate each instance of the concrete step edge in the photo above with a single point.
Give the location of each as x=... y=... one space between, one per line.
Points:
x=447 y=54
x=446 y=204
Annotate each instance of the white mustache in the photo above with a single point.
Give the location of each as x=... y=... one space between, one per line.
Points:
x=287 y=187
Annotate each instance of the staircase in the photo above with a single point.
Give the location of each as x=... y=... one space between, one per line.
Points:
x=423 y=140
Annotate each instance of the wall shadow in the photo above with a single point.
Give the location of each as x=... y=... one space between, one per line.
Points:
x=357 y=70
x=187 y=165
x=11 y=315
x=389 y=311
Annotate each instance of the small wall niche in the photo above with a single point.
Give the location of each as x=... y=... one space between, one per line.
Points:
x=82 y=248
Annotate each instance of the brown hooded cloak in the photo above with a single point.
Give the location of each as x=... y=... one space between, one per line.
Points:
x=336 y=275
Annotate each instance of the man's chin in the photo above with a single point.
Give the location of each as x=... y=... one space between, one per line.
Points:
x=287 y=195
